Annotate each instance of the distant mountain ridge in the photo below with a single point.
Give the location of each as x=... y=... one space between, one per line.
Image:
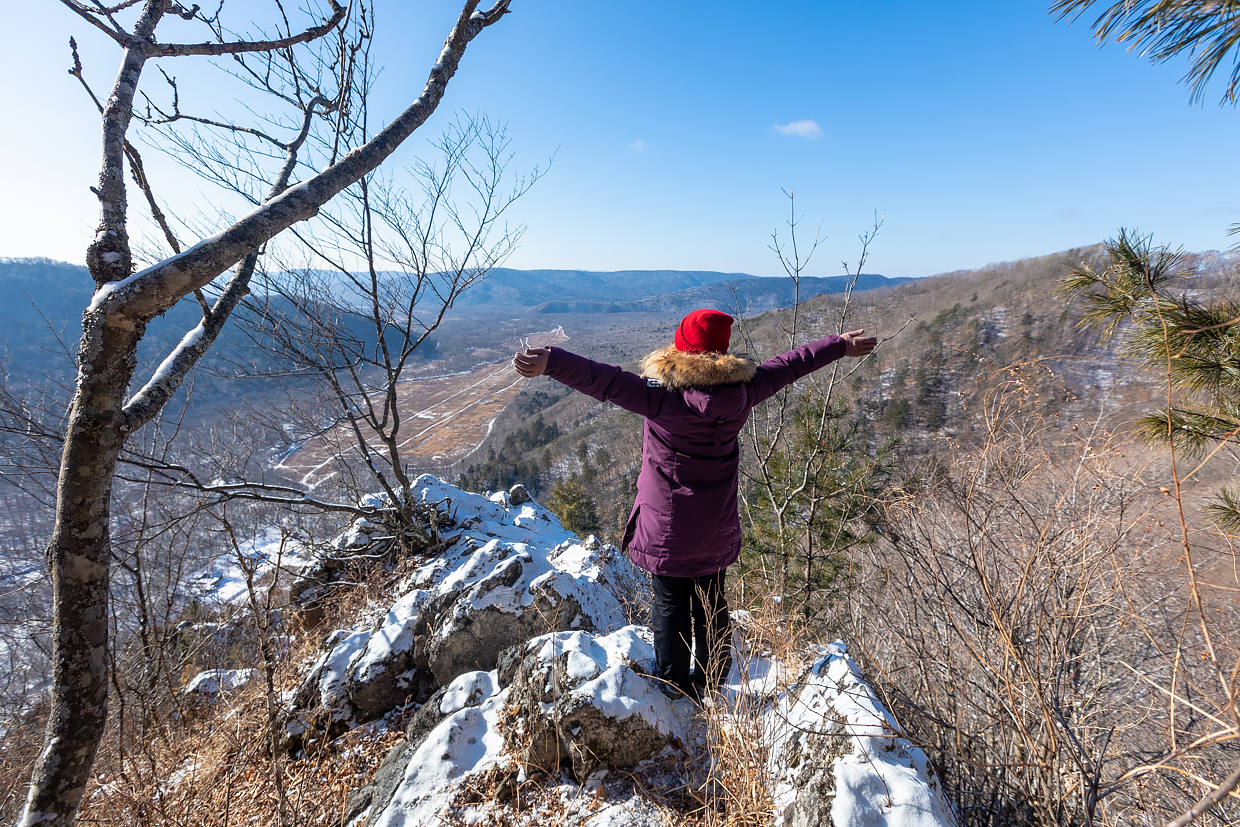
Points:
x=61 y=291
x=647 y=291
x=40 y=323
x=528 y=288
x=753 y=294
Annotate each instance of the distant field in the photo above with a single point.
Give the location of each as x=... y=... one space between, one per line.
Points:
x=444 y=418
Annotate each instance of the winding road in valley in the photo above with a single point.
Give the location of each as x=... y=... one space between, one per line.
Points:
x=443 y=418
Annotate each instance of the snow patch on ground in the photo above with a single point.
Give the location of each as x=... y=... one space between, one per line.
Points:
x=223 y=581
x=881 y=779
x=213 y=681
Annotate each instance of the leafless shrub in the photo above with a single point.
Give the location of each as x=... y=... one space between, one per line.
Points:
x=1021 y=625
x=22 y=726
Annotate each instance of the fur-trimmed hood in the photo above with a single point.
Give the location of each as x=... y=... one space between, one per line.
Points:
x=677 y=370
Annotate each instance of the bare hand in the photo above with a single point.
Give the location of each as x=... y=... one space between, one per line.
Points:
x=858 y=345
x=533 y=362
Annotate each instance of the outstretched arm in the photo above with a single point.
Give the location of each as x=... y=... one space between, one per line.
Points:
x=606 y=383
x=780 y=371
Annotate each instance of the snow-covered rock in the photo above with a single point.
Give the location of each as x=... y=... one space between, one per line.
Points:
x=213 y=681
x=468 y=691
x=511 y=573
x=837 y=759
x=566 y=697
x=506 y=592
x=323 y=572
x=320 y=703
x=576 y=700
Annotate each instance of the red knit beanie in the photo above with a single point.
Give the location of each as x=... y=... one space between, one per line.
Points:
x=704 y=331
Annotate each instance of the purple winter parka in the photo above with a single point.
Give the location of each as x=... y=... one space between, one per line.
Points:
x=685 y=521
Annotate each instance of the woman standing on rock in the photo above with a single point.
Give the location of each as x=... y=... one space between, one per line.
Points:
x=685 y=526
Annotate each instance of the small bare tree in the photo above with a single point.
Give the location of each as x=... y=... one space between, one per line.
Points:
x=812 y=489
x=354 y=334
x=104 y=413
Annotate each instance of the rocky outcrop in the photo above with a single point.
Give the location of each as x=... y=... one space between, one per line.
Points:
x=577 y=701
x=836 y=756
x=573 y=706
x=520 y=596
x=511 y=573
x=514 y=642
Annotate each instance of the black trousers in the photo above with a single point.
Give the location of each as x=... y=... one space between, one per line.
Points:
x=685 y=610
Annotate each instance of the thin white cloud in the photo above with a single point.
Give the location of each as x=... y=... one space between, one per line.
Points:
x=637 y=144
x=800 y=129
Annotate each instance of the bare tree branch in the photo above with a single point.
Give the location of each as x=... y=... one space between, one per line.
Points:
x=151 y=291
x=115 y=32
x=147 y=402
x=247 y=46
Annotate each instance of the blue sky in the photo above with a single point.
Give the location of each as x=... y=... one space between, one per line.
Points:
x=984 y=131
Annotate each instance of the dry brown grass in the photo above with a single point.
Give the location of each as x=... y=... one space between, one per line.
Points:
x=215 y=770
x=19 y=747
x=739 y=789
x=210 y=763
x=166 y=760
x=1029 y=629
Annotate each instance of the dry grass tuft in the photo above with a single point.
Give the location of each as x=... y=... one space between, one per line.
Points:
x=1028 y=627
x=216 y=770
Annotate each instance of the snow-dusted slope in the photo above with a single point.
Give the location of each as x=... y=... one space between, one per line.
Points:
x=574 y=701
x=511 y=572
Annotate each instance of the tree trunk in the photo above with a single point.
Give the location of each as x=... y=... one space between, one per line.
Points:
x=99 y=422
x=79 y=555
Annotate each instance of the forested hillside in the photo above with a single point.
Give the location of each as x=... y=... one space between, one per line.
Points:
x=986 y=412
x=298 y=530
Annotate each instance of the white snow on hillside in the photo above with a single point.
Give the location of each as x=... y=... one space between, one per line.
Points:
x=223 y=580
x=877 y=778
